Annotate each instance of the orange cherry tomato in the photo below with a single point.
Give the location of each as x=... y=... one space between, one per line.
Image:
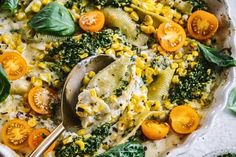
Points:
x=40 y=99
x=92 y=21
x=184 y=119
x=154 y=130
x=202 y=25
x=171 y=36
x=14 y=65
x=15 y=134
x=37 y=136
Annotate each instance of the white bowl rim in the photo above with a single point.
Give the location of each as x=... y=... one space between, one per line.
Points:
x=220 y=97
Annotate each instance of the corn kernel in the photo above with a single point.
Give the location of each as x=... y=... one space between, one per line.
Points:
x=158 y=8
x=56 y=83
x=116 y=46
x=180 y=70
x=66 y=69
x=109 y=51
x=45 y=2
x=174 y=65
x=189 y=57
x=67 y=140
x=86 y=80
x=42 y=65
x=38 y=83
x=134 y=16
x=147 y=29
x=20 y=16
x=175 y=79
x=84 y=55
x=186 y=43
x=170 y=57
x=128 y=9
x=81 y=132
x=91 y=74
x=140 y=63
x=6 y=38
x=194 y=44
x=20 y=48
x=192 y=64
x=168 y=105
x=182 y=65
x=113 y=98
x=136 y=2
x=32 y=122
x=47 y=77
x=157 y=106
x=120 y=53
x=149 y=80
x=150 y=103
x=138 y=72
x=93 y=93
x=179 y=55
x=41 y=56
x=209 y=71
x=148 y=20
x=195 y=53
x=149 y=72
x=36 y=7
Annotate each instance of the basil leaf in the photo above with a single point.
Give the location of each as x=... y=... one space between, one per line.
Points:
x=232 y=100
x=10 y=5
x=129 y=149
x=213 y=56
x=53 y=19
x=5 y=85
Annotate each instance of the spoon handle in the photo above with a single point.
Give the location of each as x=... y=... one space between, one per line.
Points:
x=47 y=141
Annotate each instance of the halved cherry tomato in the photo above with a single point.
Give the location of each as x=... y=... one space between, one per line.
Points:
x=171 y=36
x=154 y=130
x=37 y=136
x=41 y=99
x=184 y=119
x=92 y=21
x=14 y=65
x=15 y=134
x=202 y=25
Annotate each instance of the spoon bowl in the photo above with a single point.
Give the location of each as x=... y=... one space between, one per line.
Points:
x=71 y=90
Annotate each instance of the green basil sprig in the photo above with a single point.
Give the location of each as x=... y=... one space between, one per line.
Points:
x=53 y=19
x=232 y=100
x=213 y=56
x=4 y=85
x=9 y=5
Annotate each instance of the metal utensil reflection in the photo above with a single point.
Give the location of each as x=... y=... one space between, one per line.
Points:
x=71 y=90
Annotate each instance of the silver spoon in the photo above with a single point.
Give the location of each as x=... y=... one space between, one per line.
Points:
x=71 y=90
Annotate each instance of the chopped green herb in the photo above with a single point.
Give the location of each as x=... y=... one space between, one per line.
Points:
x=91 y=144
x=114 y=3
x=192 y=85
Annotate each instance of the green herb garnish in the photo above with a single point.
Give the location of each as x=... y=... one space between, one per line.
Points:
x=9 y=5
x=193 y=85
x=4 y=85
x=53 y=19
x=213 y=56
x=232 y=100
x=129 y=149
x=91 y=144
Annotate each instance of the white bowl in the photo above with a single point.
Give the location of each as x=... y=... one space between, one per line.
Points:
x=227 y=35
